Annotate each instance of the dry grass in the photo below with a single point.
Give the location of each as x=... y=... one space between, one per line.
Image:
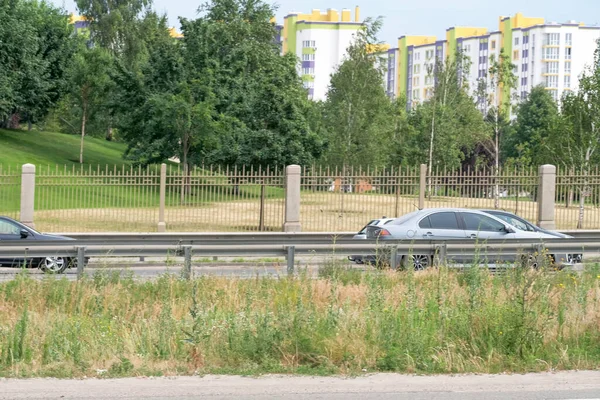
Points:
x=319 y=212
x=433 y=321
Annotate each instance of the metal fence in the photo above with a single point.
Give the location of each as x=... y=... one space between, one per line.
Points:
x=345 y=199
x=109 y=198
x=577 y=199
x=10 y=190
x=113 y=198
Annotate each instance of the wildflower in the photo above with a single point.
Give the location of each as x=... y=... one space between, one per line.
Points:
x=500 y=333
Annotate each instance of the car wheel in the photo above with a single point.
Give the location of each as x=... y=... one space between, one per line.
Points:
x=54 y=265
x=418 y=262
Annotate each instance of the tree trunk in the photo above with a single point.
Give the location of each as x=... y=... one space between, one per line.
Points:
x=83 y=120
x=109 y=133
x=29 y=125
x=497 y=163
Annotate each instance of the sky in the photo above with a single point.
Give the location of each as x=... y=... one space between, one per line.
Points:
x=413 y=17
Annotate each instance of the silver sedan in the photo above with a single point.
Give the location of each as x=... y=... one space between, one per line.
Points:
x=449 y=224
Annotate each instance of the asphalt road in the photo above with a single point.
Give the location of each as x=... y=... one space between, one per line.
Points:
x=152 y=268
x=550 y=386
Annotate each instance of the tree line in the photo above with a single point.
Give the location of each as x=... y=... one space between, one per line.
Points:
x=223 y=94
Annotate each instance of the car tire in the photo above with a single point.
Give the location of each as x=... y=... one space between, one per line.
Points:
x=54 y=265
x=418 y=262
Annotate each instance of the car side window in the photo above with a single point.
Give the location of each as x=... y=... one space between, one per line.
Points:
x=443 y=220
x=424 y=223
x=476 y=222
x=7 y=228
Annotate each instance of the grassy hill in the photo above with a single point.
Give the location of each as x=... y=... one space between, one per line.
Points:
x=47 y=148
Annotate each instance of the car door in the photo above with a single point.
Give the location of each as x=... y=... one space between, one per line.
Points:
x=440 y=225
x=8 y=232
x=482 y=227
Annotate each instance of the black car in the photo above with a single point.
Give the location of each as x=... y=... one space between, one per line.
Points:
x=11 y=230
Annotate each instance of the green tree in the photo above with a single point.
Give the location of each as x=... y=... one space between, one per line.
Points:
x=258 y=95
x=36 y=46
x=495 y=93
x=89 y=78
x=536 y=123
x=357 y=110
x=447 y=126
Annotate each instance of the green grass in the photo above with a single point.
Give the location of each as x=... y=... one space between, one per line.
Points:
x=48 y=148
x=436 y=321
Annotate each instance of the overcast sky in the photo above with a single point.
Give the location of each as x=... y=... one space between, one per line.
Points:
x=415 y=17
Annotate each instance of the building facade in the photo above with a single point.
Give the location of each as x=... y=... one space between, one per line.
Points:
x=319 y=40
x=549 y=54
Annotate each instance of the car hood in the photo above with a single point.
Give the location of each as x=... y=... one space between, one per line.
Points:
x=556 y=234
x=45 y=236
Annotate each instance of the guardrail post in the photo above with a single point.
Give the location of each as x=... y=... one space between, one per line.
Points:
x=80 y=261
x=394 y=258
x=162 y=225
x=441 y=254
x=546 y=196
x=422 y=185
x=291 y=253
x=292 y=199
x=187 y=262
x=27 y=194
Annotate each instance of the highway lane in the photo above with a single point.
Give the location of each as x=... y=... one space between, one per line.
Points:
x=151 y=268
x=548 y=386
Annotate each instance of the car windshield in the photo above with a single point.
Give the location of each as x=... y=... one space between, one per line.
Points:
x=516 y=222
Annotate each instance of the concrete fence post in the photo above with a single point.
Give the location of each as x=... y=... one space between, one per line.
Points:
x=422 y=185
x=546 y=196
x=292 y=199
x=27 y=194
x=162 y=225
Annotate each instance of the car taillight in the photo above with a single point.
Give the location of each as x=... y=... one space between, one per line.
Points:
x=384 y=232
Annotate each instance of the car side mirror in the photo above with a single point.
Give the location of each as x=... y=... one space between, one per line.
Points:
x=509 y=229
x=24 y=233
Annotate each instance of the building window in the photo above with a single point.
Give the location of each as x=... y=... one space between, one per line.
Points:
x=569 y=39
x=516 y=41
x=429 y=54
x=551 y=53
x=493 y=45
x=308 y=44
x=308 y=71
x=467 y=48
x=516 y=55
x=308 y=57
x=568 y=67
x=308 y=84
x=567 y=53
x=552 y=39
x=554 y=94
x=567 y=81
x=551 y=67
x=417 y=68
x=416 y=81
x=416 y=94
x=552 y=81
x=428 y=80
x=524 y=68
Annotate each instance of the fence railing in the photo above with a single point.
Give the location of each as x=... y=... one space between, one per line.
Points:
x=209 y=199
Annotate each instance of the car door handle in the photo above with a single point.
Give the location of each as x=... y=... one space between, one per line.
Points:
x=473 y=236
x=428 y=234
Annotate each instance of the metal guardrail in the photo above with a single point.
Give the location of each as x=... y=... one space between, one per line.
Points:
x=280 y=244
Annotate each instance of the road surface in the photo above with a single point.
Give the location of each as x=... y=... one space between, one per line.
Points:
x=550 y=386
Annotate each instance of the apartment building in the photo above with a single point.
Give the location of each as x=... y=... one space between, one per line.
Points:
x=319 y=40
x=550 y=54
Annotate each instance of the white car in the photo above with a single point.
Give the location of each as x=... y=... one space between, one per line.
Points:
x=362 y=234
